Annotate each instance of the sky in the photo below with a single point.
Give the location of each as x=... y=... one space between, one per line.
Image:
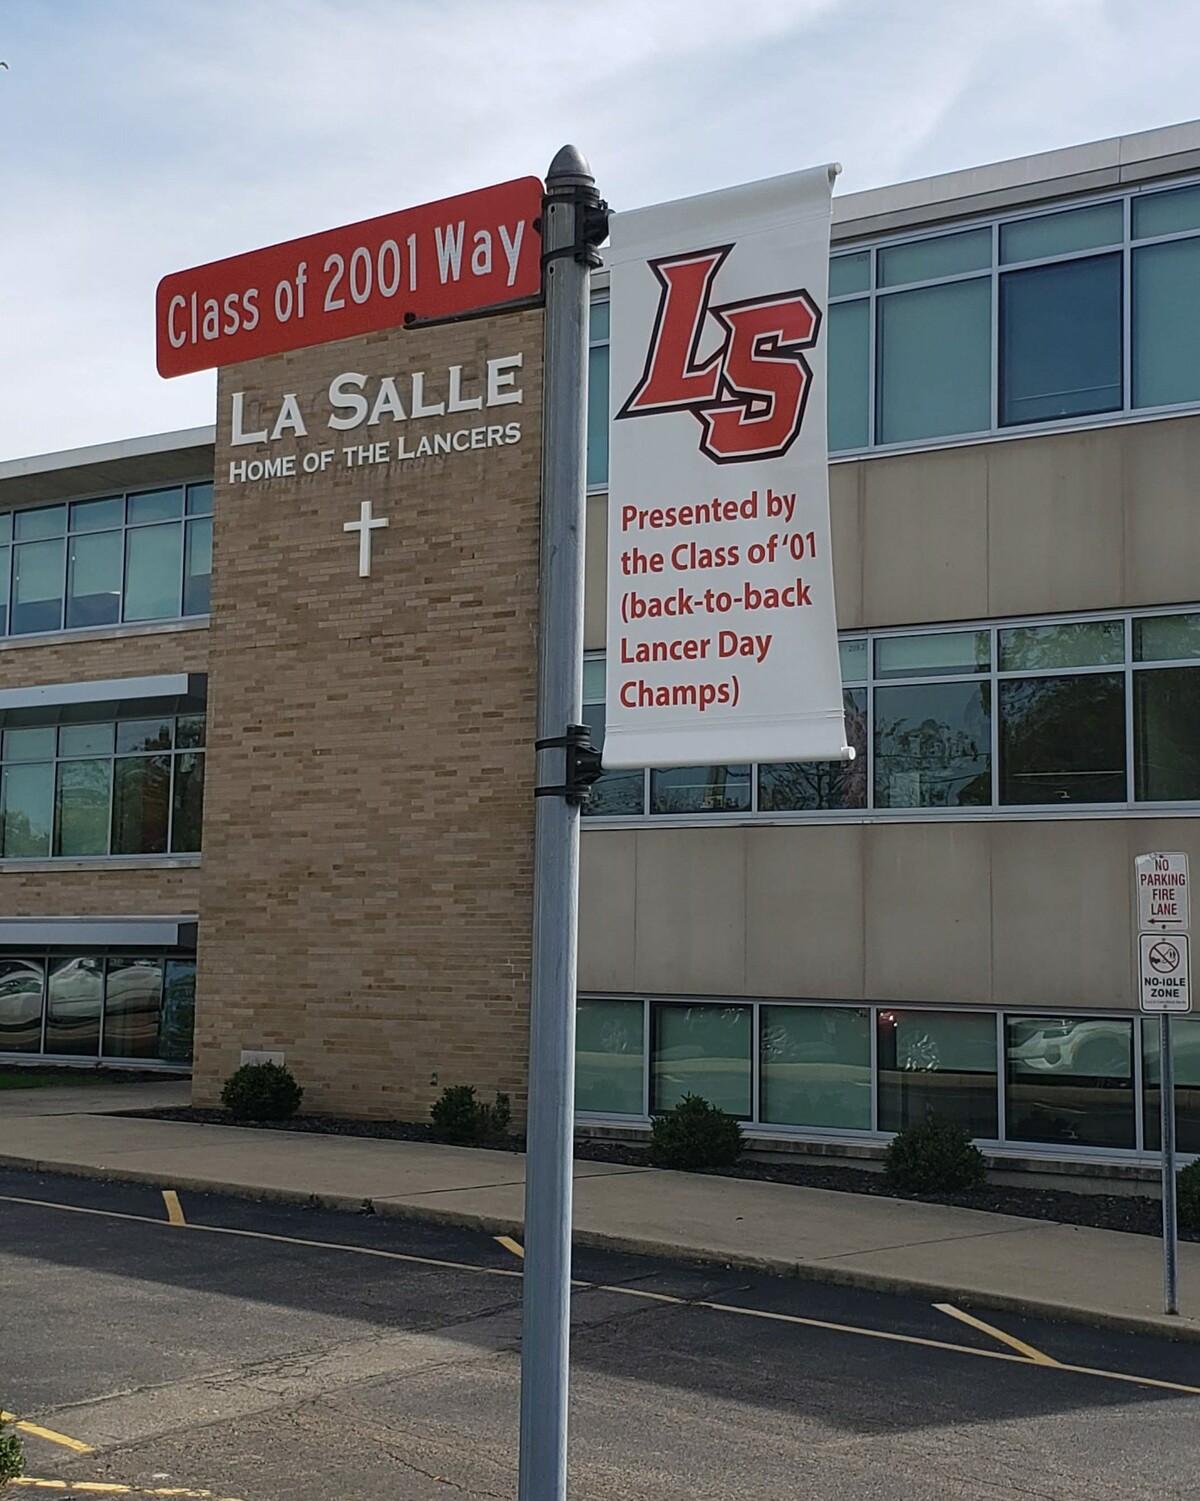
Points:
x=139 y=137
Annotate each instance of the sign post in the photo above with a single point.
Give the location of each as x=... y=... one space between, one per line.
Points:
x=1164 y=986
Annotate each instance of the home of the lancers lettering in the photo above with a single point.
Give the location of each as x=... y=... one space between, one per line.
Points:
x=267 y=704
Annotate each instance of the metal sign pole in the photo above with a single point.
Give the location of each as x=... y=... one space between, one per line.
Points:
x=1166 y=1074
x=572 y=221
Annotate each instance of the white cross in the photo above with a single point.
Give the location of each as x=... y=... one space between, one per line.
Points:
x=364 y=526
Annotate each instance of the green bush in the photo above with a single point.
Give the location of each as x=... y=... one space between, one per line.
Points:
x=1187 y=1196
x=12 y=1456
x=459 y=1117
x=936 y=1156
x=695 y=1135
x=261 y=1092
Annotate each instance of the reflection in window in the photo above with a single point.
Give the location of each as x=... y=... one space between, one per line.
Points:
x=1070 y=1080
x=76 y=998
x=133 y=1001
x=610 y=1052
x=1071 y=643
x=933 y=745
x=700 y=789
x=27 y=795
x=1062 y=739
x=616 y=794
x=1185 y=1051
x=82 y=814
x=20 y=1005
x=848 y=381
x=1060 y=340
x=703 y=1050
x=805 y=785
x=597 y=415
x=816 y=1067
x=1166 y=323
x=178 y=1012
x=1166 y=734
x=935 y=362
x=141 y=805
x=937 y=1064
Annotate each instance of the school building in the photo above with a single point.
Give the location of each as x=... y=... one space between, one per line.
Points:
x=254 y=800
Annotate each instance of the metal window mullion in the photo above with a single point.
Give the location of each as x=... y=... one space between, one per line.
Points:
x=104 y=964
x=647 y=1050
x=1139 y=1083
x=42 y=1034
x=755 y=1063
x=1130 y=778
x=994 y=714
x=124 y=556
x=1127 y=310
x=995 y=329
x=872 y=354
x=1001 y=1078
x=873 y=1017
x=870 y=746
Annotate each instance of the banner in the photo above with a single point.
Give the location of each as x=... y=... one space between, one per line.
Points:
x=722 y=639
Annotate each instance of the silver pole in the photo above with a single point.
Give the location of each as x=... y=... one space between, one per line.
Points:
x=1166 y=1075
x=546 y=1314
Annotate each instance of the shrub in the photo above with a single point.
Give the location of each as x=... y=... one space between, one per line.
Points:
x=459 y=1117
x=261 y=1092
x=1187 y=1196
x=12 y=1456
x=936 y=1156
x=695 y=1135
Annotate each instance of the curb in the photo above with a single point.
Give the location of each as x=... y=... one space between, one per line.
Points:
x=1158 y=1327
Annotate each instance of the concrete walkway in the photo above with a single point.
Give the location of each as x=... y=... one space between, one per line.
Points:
x=991 y=1260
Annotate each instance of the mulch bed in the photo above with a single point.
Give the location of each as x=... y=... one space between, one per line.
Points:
x=1138 y=1214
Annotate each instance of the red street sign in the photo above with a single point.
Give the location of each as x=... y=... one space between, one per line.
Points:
x=460 y=255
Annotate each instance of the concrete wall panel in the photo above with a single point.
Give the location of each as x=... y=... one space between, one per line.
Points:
x=691 y=901
x=608 y=909
x=804 y=912
x=1162 y=521
x=845 y=520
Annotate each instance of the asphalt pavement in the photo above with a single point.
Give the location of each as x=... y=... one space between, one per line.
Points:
x=210 y=1346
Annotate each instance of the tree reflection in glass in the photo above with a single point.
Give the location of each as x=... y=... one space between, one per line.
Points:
x=933 y=745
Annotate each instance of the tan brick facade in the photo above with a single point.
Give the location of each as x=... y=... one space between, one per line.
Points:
x=366 y=900
x=149 y=886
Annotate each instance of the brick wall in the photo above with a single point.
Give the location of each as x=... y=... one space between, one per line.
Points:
x=366 y=888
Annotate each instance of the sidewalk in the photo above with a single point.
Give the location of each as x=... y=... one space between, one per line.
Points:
x=998 y=1261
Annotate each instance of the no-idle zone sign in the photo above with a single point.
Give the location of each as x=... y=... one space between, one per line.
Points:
x=1163 y=978
x=1164 y=916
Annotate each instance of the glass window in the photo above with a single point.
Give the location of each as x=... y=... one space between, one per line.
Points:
x=1049 y=235
x=700 y=789
x=849 y=375
x=187 y=803
x=1166 y=323
x=6 y=518
x=94 y=580
x=616 y=794
x=200 y=500
x=1166 y=734
x=144 y=735
x=850 y=273
x=1185 y=1050
x=1060 y=340
x=179 y=1012
x=33 y=526
x=84 y=798
x=189 y=732
x=599 y=321
x=933 y=746
x=702 y=1050
x=153 y=565
x=610 y=1050
x=197 y=567
x=1075 y=643
x=1062 y=740
x=5 y=577
x=141 y=801
x=132 y=1003
x=597 y=415
x=97 y=515
x=38 y=569
x=156 y=505
x=33 y=744
x=27 y=795
x=1165 y=213
x=816 y=1067
x=20 y=1005
x=852 y=658
x=76 y=996
x=803 y=785
x=928 y=260
x=937 y=655
x=935 y=362
x=85 y=740
x=937 y=1063
x=1070 y=1080
x=1166 y=638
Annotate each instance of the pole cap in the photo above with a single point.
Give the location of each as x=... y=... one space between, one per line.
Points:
x=570 y=169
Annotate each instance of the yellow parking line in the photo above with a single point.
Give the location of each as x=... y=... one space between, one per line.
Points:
x=510 y=1244
x=174 y=1209
x=1037 y=1356
x=35 y=1431
x=112 y=1488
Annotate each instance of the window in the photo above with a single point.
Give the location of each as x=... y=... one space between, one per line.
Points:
x=849 y=374
x=610 y=1052
x=597 y=403
x=1166 y=323
x=1070 y=1080
x=1060 y=713
x=132 y=1008
x=816 y=1066
x=702 y=1050
x=21 y=989
x=76 y=1001
x=1185 y=1050
x=125 y=787
x=937 y=1063
x=935 y=361
x=92 y=563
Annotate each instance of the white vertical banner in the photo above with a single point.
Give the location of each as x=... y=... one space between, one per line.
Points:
x=722 y=638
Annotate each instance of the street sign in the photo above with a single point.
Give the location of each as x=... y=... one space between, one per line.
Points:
x=1162 y=892
x=1163 y=981
x=448 y=259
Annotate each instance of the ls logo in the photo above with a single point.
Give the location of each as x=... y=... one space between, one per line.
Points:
x=750 y=392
